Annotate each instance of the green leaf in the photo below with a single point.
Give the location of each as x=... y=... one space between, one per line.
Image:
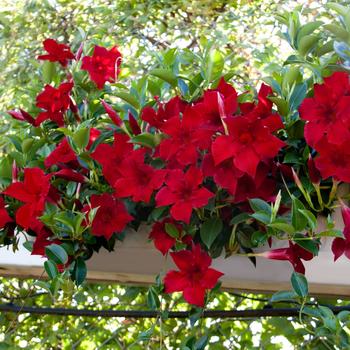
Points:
x=340 y=9
x=259 y=238
x=127 y=97
x=307 y=29
x=282 y=105
x=215 y=65
x=297 y=96
x=48 y=71
x=299 y=284
x=311 y=219
x=165 y=74
x=81 y=138
x=28 y=245
x=283 y=226
x=308 y=244
x=262 y=217
x=80 y=271
x=153 y=301
x=51 y=269
x=284 y=295
x=258 y=205
x=147 y=139
x=299 y=221
x=210 y=229
x=172 y=230
x=16 y=141
x=307 y=43
x=340 y=33
x=56 y=253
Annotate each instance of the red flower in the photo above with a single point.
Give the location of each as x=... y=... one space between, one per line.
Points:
x=165 y=111
x=195 y=276
x=111 y=157
x=334 y=160
x=185 y=138
x=62 y=154
x=137 y=179
x=22 y=116
x=341 y=246
x=294 y=253
x=103 y=65
x=217 y=105
x=112 y=113
x=328 y=112
x=111 y=215
x=184 y=193
x=161 y=239
x=225 y=174
x=55 y=102
x=4 y=216
x=34 y=192
x=249 y=142
x=56 y=52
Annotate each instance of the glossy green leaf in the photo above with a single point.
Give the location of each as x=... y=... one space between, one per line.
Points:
x=299 y=284
x=56 y=253
x=210 y=229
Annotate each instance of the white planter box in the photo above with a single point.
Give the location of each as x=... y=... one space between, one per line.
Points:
x=136 y=261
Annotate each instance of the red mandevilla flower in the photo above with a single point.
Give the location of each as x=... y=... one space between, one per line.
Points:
x=103 y=65
x=57 y=52
x=165 y=111
x=111 y=215
x=183 y=191
x=341 y=246
x=62 y=154
x=33 y=191
x=248 y=143
x=195 y=276
x=294 y=253
x=55 y=102
x=328 y=112
x=137 y=179
x=112 y=156
x=217 y=105
x=185 y=138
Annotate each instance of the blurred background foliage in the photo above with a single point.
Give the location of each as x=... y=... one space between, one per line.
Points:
x=248 y=40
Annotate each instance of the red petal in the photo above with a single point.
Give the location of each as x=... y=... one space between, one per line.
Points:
x=210 y=278
x=223 y=148
x=165 y=197
x=195 y=295
x=181 y=211
x=183 y=259
x=247 y=161
x=175 y=281
x=338 y=247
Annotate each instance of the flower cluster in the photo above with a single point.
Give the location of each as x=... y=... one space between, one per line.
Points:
x=327 y=129
x=204 y=173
